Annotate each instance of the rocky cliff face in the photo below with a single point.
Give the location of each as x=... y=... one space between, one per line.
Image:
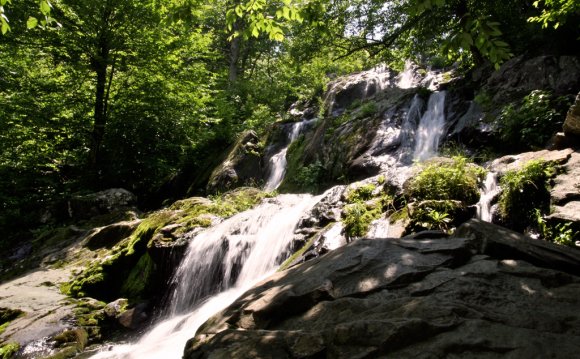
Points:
x=485 y=292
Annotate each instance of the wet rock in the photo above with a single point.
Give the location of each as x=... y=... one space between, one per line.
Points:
x=134 y=318
x=467 y=295
x=572 y=123
x=116 y=308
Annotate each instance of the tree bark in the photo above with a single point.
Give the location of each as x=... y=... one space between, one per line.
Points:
x=100 y=63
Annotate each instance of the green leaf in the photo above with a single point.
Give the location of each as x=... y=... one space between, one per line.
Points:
x=45 y=7
x=5 y=27
x=32 y=22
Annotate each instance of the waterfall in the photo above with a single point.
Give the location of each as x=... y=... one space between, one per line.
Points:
x=487 y=194
x=408 y=128
x=278 y=162
x=407 y=77
x=220 y=264
x=431 y=128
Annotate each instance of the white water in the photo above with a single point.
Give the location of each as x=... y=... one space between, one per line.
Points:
x=251 y=243
x=407 y=78
x=487 y=194
x=278 y=162
x=379 y=228
x=431 y=128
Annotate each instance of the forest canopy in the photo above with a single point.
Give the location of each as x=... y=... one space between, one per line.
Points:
x=126 y=93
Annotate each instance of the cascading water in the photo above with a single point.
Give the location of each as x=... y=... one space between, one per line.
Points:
x=220 y=264
x=409 y=127
x=487 y=194
x=277 y=163
x=431 y=128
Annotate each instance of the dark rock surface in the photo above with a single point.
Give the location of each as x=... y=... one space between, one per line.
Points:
x=103 y=202
x=484 y=292
x=572 y=123
x=241 y=167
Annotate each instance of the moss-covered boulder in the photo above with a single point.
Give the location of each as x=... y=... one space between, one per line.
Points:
x=139 y=266
x=242 y=166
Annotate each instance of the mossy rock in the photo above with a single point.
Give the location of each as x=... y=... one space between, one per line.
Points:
x=130 y=271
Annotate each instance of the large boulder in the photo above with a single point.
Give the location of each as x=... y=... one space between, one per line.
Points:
x=572 y=123
x=519 y=76
x=242 y=166
x=485 y=292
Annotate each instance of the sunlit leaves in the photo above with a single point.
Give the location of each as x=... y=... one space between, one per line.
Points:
x=555 y=12
x=260 y=17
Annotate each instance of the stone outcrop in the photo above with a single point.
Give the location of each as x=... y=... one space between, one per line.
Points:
x=484 y=292
x=565 y=192
x=241 y=167
x=572 y=123
x=519 y=76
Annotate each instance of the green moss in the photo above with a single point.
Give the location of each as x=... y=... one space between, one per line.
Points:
x=139 y=277
x=7 y=316
x=8 y=350
x=128 y=269
x=288 y=262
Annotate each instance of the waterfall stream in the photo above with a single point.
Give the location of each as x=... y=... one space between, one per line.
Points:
x=431 y=128
x=220 y=264
x=277 y=163
x=487 y=194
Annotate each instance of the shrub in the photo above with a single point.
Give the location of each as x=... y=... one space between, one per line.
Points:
x=559 y=233
x=368 y=109
x=525 y=191
x=435 y=214
x=457 y=180
x=360 y=193
x=532 y=123
x=358 y=217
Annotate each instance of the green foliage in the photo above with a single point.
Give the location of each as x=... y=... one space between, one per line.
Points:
x=360 y=193
x=368 y=109
x=555 y=12
x=455 y=180
x=309 y=177
x=434 y=215
x=532 y=123
x=8 y=350
x=524 y=191
x=560 y=233
x=357 y=218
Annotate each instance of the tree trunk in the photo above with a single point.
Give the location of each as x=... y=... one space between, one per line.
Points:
x=100 y=63
x=235 y=46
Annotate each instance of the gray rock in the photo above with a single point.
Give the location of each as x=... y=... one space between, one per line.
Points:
x=516 y=162
x=472 y=295
x=519 y=76
x=108 y=236
x=242 y=166
x=572 y=123
x=103 y=202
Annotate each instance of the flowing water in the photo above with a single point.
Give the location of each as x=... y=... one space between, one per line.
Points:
x=487 y=194
x=431 y=128
x=220 y=264
x=278 y=162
